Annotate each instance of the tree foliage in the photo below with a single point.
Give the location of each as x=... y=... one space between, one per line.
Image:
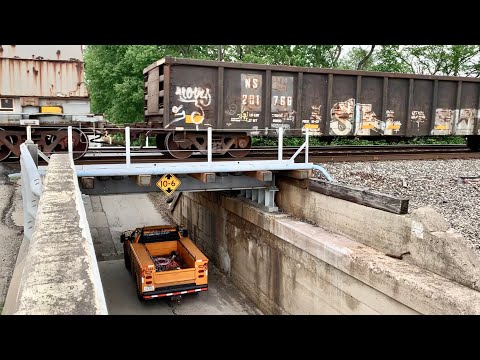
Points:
x=114 y=73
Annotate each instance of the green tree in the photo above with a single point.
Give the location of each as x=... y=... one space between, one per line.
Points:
x=358 y=58
x=291 y=55
x=114 y=75
x=454 y=60
x=391 y=58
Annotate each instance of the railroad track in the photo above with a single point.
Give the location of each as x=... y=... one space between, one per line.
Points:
x=341 y=153
x=112 y=155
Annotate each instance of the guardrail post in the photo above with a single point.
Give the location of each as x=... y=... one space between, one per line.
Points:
x=127 y=145
x=306 y=145
x=209 y=144
x=70 y=141
x=32 y=148
x=29 y=134
x=280 y=143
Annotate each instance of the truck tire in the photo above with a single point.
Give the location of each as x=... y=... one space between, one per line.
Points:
x=126 y=259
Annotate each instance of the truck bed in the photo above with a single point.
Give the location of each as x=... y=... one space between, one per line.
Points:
x=149 y=254
x=185 y=251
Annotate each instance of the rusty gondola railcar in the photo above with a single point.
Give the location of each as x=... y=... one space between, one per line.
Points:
x=245 y=99
x=43 y=86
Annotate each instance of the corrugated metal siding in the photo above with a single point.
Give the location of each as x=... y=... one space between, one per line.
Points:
x=47 y=52
x=41 y=78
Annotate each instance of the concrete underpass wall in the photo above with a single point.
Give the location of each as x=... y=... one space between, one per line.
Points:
x=290 y=267
x=58 y=272
x=424 y=236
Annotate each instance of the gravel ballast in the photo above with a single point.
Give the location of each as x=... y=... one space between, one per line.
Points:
x=448 y=186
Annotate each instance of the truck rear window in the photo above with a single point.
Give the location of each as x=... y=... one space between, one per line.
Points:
x=158 y=236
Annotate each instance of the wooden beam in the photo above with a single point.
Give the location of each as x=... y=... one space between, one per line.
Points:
x=144 y=180
x=360 y=196
x=298 y=174
x=88 y=182
x=262 y=175
x=204 y=177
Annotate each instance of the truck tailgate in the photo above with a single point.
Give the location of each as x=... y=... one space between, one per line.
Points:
x=185 y=276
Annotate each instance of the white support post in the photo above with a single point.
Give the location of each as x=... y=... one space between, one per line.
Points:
x=306 y=145
x=209 y=144
x=29 y=135
x=280 y=143
x=70 y=141
x=127 y=145
x=146 y=141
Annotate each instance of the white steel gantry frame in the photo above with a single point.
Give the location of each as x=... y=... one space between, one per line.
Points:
x=265 y=198
x=179 y=167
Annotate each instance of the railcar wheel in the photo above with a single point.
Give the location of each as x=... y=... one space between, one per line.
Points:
x=241 y=147
x=80 y=143
x=57 y=142
x=160 y=142
x=5 y=152
x=175 y=149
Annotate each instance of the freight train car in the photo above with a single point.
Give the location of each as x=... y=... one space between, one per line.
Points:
x=185 y=96
x=43 y=86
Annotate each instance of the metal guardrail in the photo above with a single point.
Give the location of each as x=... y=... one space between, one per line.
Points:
x=31 y=190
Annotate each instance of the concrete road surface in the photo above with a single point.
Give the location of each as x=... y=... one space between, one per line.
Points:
x=222 y=298
x=108 y=216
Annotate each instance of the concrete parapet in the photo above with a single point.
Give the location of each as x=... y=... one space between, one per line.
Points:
x=60 y=274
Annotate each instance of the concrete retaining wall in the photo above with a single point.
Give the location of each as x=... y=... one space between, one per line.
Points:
x=424 y=234
x=60 y=272
x=291 y=267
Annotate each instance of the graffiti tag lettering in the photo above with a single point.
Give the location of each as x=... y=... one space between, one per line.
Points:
x=418 y=117
x=200 y=97
x=342 y=117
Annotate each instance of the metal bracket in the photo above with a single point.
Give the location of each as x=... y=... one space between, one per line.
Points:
x=262 y=198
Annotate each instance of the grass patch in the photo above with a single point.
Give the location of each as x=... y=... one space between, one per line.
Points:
x=316 y=141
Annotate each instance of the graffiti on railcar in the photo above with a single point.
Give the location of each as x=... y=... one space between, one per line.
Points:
x=313 y=123
x=191 y=104
x=366 y=121
x=246 y=116
x=391 y=126
x=443 y=121
x=418 y=117
x=282 y=100
x=466 y=122
x=342 y=117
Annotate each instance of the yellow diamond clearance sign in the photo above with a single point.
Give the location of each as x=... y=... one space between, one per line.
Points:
x=168 y=183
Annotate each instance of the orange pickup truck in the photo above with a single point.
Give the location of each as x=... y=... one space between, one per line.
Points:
x=164 y=262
